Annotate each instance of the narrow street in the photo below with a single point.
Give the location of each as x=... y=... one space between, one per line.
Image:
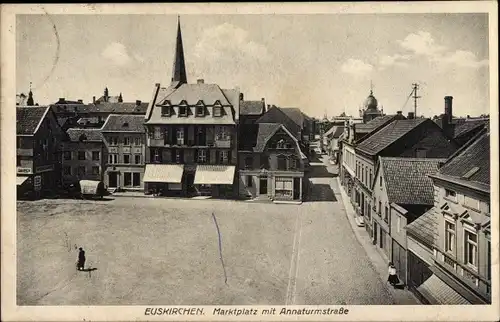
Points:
x=329 y=265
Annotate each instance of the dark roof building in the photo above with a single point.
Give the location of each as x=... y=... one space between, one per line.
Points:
x=124 y=123
x=363 y=130
x=28 y=119
x=84 y=135
x=256 y=136
x=252 y=107
x=277 y=115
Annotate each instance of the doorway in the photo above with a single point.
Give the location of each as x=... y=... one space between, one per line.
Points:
x=296 y=188
x=263 y=186
x=113 y=179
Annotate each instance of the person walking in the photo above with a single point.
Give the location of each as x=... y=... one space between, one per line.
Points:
x=80 y=264
x=393 y=277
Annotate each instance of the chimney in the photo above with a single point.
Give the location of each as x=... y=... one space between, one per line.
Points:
x=241 y=96
x=80 y=101
x=411 y=115
x=93 y=99
x=200 y=81
x=448 y=108
x=61 y=99
x=399 y=113
x=138 y=102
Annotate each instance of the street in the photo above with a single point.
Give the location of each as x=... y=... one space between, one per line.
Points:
x=165 y=252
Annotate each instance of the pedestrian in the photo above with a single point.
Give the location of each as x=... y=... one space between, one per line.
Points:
x=393 y=277
x=80 y=264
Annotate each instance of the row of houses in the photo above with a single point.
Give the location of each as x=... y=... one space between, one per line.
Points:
x=420 y=188
x=189 y=139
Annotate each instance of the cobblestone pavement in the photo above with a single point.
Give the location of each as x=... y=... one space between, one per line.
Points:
x=165 y=252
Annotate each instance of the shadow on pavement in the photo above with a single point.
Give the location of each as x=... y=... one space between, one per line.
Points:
x=320 y=192
x=320 y=171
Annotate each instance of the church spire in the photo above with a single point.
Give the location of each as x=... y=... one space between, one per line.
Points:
x=179 y=69
x=30 y=101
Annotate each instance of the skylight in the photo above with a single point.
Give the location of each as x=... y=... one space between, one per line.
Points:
x=470 y=173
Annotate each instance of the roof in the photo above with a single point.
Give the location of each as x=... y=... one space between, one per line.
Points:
x=104 y=107
x=407 y=180
x=424 y=228
x=389 y=134
x=468 y=126
x=29 y=118
x=251 y=107
x=75 y=134
x=192 y=94
x=110 y=99
x=276 y=115
x=471 y=164
x=265 y=132
x=335 y=131
x=124 y=123
x=373 y=124
x=295 y=114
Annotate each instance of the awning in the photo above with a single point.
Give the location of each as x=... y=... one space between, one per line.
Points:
x=438 y=292
x=21 y=180
x=214 y=174
x=170 y=173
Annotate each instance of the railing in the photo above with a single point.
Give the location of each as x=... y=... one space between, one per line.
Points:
x=222 y=143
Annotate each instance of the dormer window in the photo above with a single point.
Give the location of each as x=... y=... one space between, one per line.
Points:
x=200 y=109
x=166 y=111
x=217 y=109
x=280 y=144
x=183 y=109
x=125 y=124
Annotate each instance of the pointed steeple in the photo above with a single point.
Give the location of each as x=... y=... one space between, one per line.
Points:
x=179 y=69
x=120 y=98
x=30 y=101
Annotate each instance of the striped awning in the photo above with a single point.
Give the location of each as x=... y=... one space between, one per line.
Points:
x=169 y=173
x=214 y=174
x=21 y=180
x=438 y=292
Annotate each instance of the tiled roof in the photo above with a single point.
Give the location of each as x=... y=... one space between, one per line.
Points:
x=111 y=99
x=465 y=127
x=75 y=134
x=295 y=114
x=407 y=181
x=472 y=163
x=124 y=123
x=276 y=115
x=388 y=135
x=28 y=118
x=424 y=228
x=373 y=124
x=251 y=107
x=256 y=136
x=192 y=93
x=264 y=134
x=125 y=108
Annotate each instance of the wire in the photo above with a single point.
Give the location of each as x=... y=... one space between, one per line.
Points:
x=407 y=99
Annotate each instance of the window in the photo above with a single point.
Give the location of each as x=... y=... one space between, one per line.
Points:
x=248 y=162
x=281 y=162
x=292 y=163
x=421 y=153
x=200 y=110
x=371 y=178
x=180 y=136
x=450 y=195
x=470 y=248
x=222 y=133
x=156 y=155
x=67 y=170
x=399 y=224
x=136 y=179
x=264 y=162
x=95 y=171
x=81 y=155
x=249 y=181
x=280 y=144
x=96 y=155
x=67 y=155
x=113 y=140
x=449 y=233
x=81 y=171
x=183 y=110
x=113 y=158
x=165 y=111
x=386 y=214
x=178 y=156
x=127 y=179
x=157 y=133
x=224 y=157
x=126 y=158
x=137 y=141
x=137 y=159
x=126 y=140
x=202 y=156
x=217 y=111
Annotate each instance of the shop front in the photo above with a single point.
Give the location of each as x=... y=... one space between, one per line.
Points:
x=215 y=181
x=164 y=179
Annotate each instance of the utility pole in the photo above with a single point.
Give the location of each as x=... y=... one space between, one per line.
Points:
x=415 y=97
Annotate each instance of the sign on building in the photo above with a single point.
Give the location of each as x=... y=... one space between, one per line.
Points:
x=24 y=170
x=38 y=183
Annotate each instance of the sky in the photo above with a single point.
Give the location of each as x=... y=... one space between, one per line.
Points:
x=321 y=63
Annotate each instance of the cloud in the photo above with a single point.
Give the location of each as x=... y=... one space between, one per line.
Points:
x=117 y=54
x=394 y=60
x=464 y=58
x=421 y=43
x=229 y=42
x=356 y=67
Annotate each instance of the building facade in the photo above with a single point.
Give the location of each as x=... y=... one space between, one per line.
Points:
x=270 y=163
x=191 y=136
x=39 y=146
x=124 y=139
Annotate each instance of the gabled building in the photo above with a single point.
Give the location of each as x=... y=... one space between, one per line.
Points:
x=465 y=131
x=124 y=139
x=411 y=138
x=271 y=164
x=251 y=111
x=39 y=139
x=83 y=156
x=191 y=135
x=276 y=115
x=106 y=98
x=401 y=192
x=462 y=249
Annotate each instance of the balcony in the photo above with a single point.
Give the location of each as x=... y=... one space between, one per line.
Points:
x=222 y=143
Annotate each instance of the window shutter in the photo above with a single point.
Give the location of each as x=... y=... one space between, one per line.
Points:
x=229 y=156
x=196 y=155
x=208 y=155
x=182 y=156
x=217 y=156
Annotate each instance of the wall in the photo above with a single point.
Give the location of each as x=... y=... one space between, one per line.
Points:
x=398 y=234
x=88 y=147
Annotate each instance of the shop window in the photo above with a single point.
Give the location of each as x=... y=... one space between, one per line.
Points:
x=127 y=179
x=136 y=179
